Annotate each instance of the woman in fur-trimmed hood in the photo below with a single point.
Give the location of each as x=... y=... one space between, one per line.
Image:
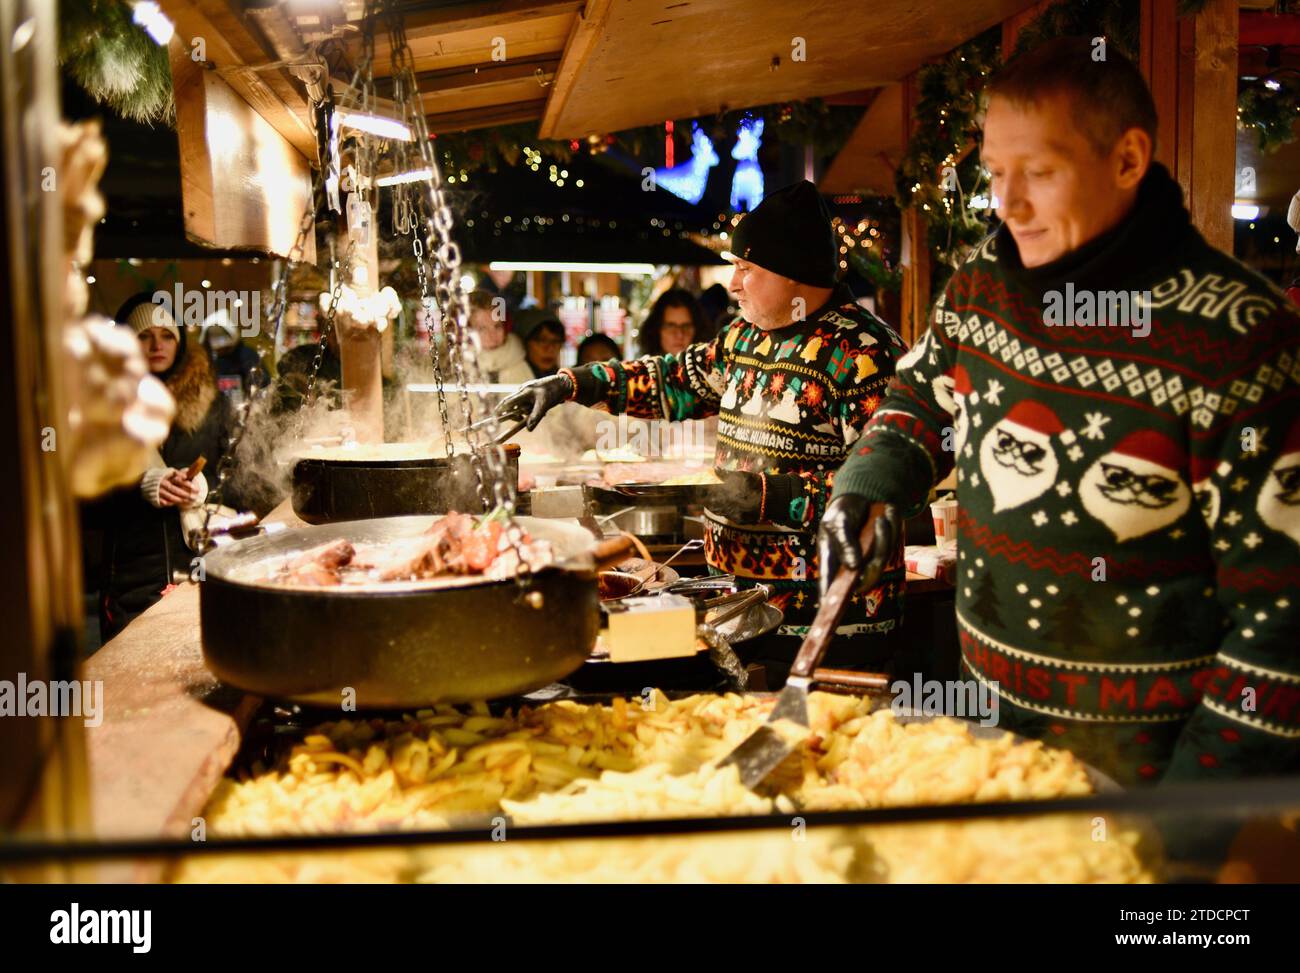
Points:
x=144 y=546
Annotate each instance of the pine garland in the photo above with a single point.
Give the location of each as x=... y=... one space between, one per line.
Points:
x=1274 y=114
x=115 y=60
x=1119 y=21
x=934 y=174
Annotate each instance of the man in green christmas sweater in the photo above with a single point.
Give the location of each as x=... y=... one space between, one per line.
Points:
x=1122 y=404
x=794 y=381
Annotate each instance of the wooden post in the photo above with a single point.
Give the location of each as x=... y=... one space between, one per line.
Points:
x=1190 y=64
x=361 y=348
x=915 y=298
x=42 y=763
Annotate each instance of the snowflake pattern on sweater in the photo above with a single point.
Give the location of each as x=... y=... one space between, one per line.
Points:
x=1129 y=572
x=791 y=402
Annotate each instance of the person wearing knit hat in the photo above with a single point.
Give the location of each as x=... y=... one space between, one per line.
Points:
x=789 y=234
x=792 y=380
x=144 y=541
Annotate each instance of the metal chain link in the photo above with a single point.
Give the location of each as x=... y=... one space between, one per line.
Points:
x=341 y=273
x=495 y=488
x=279 y=305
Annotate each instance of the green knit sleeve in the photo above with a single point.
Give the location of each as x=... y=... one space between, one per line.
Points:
x=907 y=446
x=1245 y=475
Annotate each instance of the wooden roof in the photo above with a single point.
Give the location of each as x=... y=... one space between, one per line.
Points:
x=587 y=66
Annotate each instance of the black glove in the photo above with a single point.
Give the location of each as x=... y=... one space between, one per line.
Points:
x=752 y=498
x=739 y=497
x=535 y=399
x=839 y=538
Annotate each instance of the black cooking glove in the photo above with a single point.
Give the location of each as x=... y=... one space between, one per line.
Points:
x=535 y=399
x=751 y=498
x=838 y=539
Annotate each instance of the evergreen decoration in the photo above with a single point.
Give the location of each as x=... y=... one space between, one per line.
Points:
x=1273 y=113
x=941 y=171
x=1119 y=21
x=115 y=60
x=492 y=148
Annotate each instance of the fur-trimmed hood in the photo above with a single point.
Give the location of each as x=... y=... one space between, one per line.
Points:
x=194 y=388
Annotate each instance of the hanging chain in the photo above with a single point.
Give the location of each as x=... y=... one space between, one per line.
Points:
x=495 y=487
x=279 y=304
x=276 y=314
x=340 y=271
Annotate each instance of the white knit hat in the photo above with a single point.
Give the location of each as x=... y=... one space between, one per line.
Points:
x=152 y=315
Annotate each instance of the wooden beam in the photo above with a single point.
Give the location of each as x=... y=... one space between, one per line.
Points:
x=361 y=349
x=582 y=41
x=1190 y=63
x=231 y=46
x=243 y=186
x=434 y=17
x=869 y=158
x=462 y=121
x=486 y=75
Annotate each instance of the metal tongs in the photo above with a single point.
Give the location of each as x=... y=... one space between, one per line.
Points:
x=500 y=437
x=736 y=603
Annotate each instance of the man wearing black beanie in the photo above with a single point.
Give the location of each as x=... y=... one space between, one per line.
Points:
x=794 y=379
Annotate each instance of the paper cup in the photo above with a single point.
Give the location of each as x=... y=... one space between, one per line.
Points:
x=944 y=513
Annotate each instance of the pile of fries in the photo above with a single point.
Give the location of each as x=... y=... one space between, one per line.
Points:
x=652 y=757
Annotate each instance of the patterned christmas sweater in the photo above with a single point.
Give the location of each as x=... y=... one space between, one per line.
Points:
x=1129 y=569
x=790 y=403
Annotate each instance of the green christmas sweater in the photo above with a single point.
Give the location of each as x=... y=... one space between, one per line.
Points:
x=790 y=403
x=1129 y=526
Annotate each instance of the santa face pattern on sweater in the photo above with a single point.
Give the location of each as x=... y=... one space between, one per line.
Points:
x=1124 y=560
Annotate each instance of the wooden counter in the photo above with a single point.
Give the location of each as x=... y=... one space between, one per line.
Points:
x=170 y=729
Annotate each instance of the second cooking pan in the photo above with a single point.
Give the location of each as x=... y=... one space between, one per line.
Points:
x=327 y=490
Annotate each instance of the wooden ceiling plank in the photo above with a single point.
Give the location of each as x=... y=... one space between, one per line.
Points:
x=578 y=49
x=230 y=45
x=485 y=75
x=536 y=38
x=523 y=111
x=652 y=62
x=465 y=99
x=439 y=21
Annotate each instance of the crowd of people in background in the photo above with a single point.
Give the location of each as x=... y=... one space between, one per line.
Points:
x=136 y=538
x=517 y=345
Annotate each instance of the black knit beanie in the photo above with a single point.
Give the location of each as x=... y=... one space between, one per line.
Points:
x=790 y=233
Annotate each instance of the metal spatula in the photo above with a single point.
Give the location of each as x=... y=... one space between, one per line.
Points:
x=763 y=750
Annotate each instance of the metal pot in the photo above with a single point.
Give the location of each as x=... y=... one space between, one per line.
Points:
x=402 y=645
x=331 y=490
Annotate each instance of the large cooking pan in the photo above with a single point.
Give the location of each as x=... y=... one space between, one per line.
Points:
x=334 y=489
x=402 y=645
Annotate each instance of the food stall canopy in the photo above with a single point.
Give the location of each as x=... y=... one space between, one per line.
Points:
x=517 y=214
